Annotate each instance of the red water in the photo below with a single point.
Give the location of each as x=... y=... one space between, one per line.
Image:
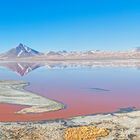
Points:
x=77 y=98
x=76 y=105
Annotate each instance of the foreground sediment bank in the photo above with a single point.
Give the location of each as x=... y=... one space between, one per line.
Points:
x=115 y=126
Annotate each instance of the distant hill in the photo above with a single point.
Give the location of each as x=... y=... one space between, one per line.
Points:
x=21 y=51
x=137 y=49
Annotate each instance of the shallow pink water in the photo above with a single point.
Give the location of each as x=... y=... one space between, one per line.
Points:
x=83 y=91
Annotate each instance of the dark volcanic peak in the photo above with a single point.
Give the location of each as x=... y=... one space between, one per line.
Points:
x=22 y=51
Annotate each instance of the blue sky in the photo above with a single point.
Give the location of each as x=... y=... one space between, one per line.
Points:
x=70 y=24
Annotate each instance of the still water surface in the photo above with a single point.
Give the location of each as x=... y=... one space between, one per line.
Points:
x=83 y=91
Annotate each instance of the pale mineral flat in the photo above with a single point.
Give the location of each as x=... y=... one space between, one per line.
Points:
x=12 y=92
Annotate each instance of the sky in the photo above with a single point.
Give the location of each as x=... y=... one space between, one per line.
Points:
x=72 y=25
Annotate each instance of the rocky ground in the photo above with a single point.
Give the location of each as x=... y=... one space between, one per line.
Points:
x=115 y=126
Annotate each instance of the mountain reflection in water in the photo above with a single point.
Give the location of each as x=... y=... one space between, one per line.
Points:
x=21 y=68
x=84 y=88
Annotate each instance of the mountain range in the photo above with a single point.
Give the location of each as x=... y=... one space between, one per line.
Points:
x=21 y=52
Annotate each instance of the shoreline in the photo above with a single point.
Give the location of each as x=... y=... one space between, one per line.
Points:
x=118 y=125
x=13 y=92
x=34 y=59
x=52 y=64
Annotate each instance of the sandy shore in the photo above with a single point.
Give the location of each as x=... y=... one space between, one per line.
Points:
x=111 y=126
